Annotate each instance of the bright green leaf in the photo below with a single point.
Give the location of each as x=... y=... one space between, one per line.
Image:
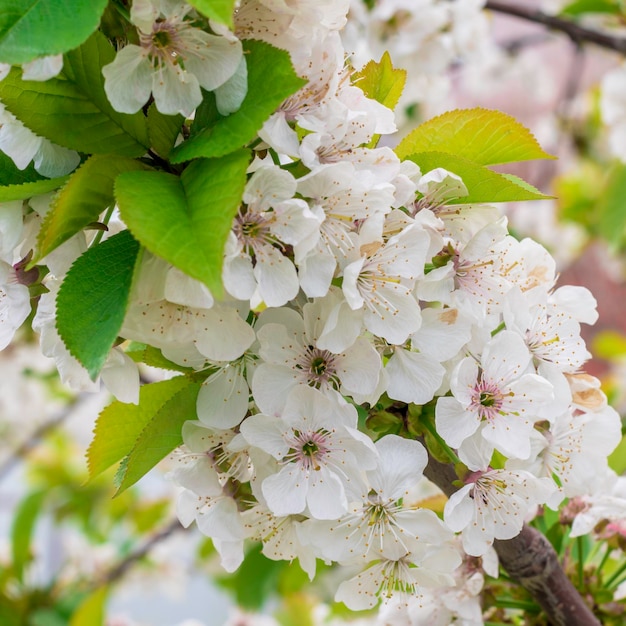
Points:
x=119 y=425
x=92 y=300
x=186 y=220
x=73 y=110
x=483 y=184
x=24 y=191
x=36 y=28
x=88 y=193
x=611 y=210
x=480 y=135
x=22 y=529
x=91 y=612
x=218 y=10
x=163 y=130
x=381 y=81
x=580 y=7
x=271 y=79
x=142 y=353
x=161 y=435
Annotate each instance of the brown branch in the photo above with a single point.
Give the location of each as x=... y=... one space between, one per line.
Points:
x=578 y=34
x=530 y=560
x=119 y=570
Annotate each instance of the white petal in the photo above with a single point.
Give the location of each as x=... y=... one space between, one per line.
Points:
x=223 y=399
x=128 y=79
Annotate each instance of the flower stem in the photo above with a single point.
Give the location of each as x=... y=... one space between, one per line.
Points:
x=430 y=427
x=615 y=576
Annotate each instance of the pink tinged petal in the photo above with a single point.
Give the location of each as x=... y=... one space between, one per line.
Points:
x=265 y=432
x=286 y=492
x=505 y=358
x=223 y=399
x=402 y=462
x=459 y=509
x=225 y=335
x=326 y=497
x=175 y=90
x=276 y=277
x=413 y=377
x=221 y=519
x=128 y=79
x=271 y=385
x=453 y=423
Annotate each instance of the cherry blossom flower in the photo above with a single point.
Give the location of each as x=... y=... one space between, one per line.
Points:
x=174 y=59
x=494 y=505
x=319 y=451
x=497 y=401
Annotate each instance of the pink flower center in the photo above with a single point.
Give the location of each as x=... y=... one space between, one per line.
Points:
x=318 y=367
x=486 y=400
x=308 y=449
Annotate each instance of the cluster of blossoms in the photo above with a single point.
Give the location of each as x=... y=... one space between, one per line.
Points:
x=352 y=279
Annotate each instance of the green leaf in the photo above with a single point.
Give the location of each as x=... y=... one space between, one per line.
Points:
x=161 y=435
x=72 y=110
x=163 y=130
x=218 y=10
x=86 y=195
x=480 y=135
x=92 y=300
x=10 y=175
x=119 y=425
x=90 y=612
x=381 y=81
x=610 y=209
x=36 y=28
x=580 y=7
x=24 y=191
x=271 y=79
x=22 y=529
x=141 y=353
x=186 y=220
x=483 y=184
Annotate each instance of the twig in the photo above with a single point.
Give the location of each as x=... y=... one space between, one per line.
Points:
x=125 y=564
x=38 y=434
x=530 y=560
x=578 y=34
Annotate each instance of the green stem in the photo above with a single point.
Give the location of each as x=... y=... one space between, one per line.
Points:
x=605 y=558
x=445 y=447
x=524 y=605
x=581 y=570
x=616 y=574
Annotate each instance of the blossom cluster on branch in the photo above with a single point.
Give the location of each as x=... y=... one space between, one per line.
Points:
x=319 y=300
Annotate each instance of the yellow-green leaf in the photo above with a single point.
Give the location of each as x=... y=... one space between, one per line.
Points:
x=381 y=81
x=90 y=611
x=480 y=135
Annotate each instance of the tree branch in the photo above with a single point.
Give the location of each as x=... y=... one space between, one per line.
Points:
x=578 y=34
x=530 y=560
